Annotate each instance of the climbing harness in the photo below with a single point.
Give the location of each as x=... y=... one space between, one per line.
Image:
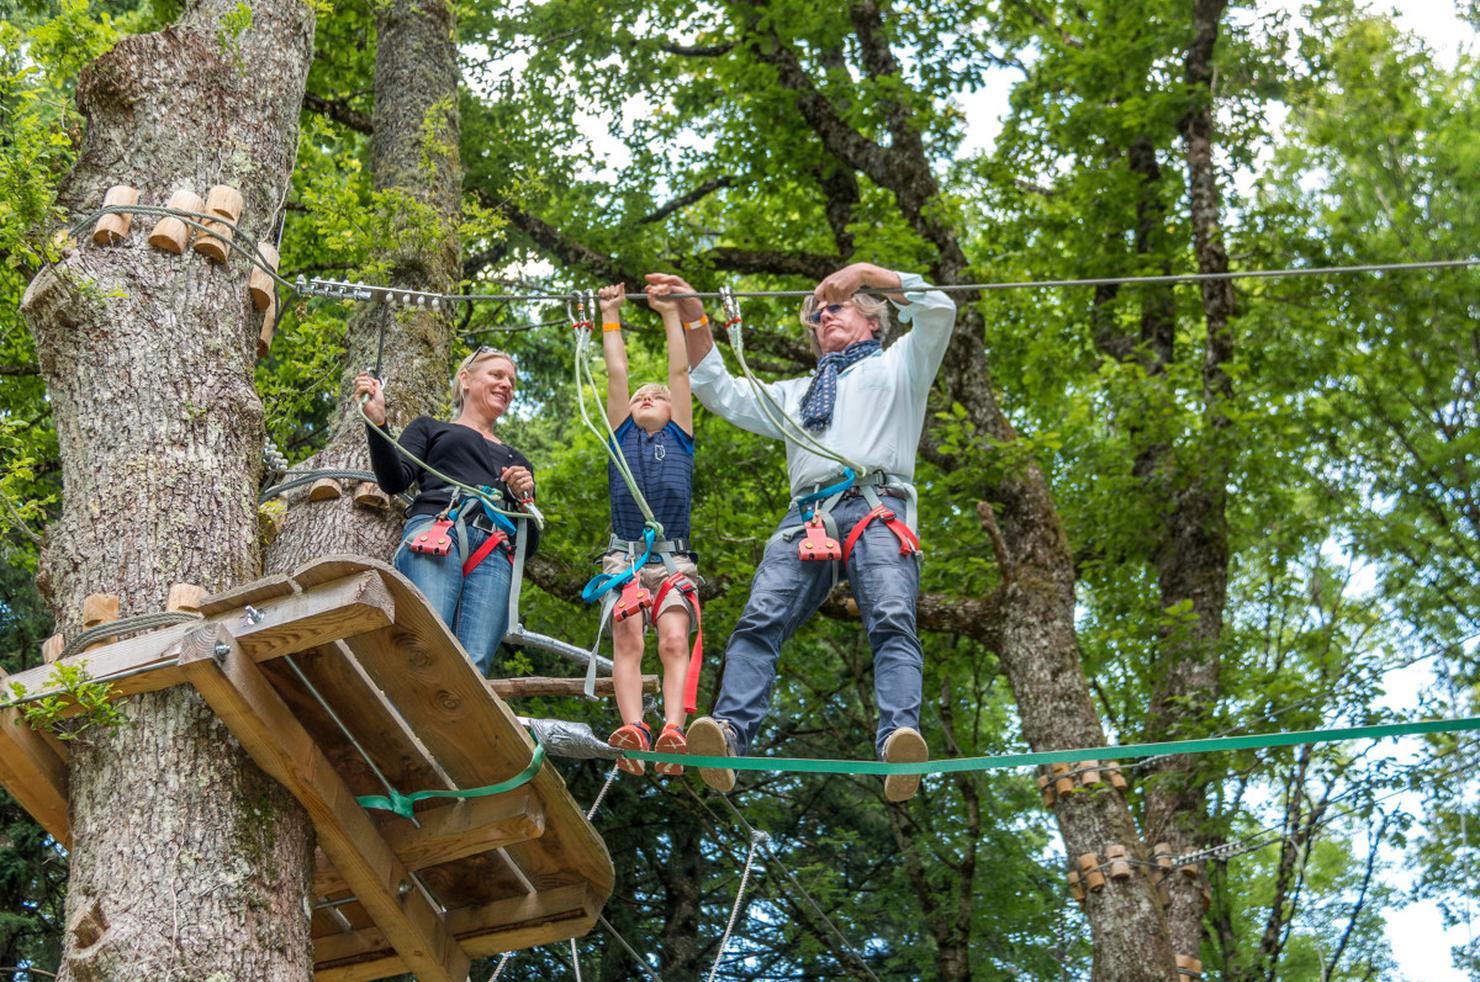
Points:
x=622 y=594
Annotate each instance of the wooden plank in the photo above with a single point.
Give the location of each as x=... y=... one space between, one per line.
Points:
x=488 y=929
x=463 y=828
x=543 y=685
x=255 y=593
x=471 y=732
x=334 y=610
x=33 y=774
x=241 y=696
x=290 y=623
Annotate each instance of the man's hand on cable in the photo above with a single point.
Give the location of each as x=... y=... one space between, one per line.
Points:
x=690 y=309
x=841 y=285
x=519 y=480
x=368 y=385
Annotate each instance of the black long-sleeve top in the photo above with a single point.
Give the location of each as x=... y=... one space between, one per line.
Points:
x=458 y=451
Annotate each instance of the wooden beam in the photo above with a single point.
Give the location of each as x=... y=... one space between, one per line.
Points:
x=338 y=609
x=289 y=624
x=487 y=929
x=542 y=685
x=463 y=828
x=234 y=686
x=32 y=772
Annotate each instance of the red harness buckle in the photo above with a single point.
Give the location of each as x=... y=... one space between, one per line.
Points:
x=633 y=599
x=815 y=544
x=435 y=541
x=909 y=543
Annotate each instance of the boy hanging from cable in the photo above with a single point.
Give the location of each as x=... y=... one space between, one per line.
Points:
x=654 y=433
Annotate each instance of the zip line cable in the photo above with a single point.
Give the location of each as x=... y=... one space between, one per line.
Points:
x=348 y=290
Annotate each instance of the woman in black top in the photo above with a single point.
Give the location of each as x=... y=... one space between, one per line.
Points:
x=471 y=597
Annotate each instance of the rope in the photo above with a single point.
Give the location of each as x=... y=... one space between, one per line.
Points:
x=601 y=918
x=126 y=625
x=482 y=496
x=954 y=765
x=402 y=804
x=757 y=837
x=300 y=478
x=581 y=321
x=789 y=427
x=774 y=858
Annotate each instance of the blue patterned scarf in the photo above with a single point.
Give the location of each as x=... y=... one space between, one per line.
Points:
x=822 y=394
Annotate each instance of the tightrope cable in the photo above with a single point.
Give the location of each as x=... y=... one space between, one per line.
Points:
x=954 y=765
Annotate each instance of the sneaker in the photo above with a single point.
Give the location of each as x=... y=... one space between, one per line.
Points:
x=670 y=741
x=631 y=736
x=904 y=746
x=710 y=737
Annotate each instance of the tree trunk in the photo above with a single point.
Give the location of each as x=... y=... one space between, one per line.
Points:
x=196 y=861
x=1192 y=556
x=418 y=174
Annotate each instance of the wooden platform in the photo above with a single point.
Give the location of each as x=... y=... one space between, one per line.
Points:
x=344 y=652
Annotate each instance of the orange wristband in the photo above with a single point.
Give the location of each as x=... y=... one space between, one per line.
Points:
x=611 y=326
x=695 y=325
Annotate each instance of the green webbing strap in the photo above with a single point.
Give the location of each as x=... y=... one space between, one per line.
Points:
x=1123 y=752
x=402 y=804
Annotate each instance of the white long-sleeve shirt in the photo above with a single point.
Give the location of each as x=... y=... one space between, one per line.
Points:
x=880 y=409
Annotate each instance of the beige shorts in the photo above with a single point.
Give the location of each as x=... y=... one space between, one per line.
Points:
x=652 y=576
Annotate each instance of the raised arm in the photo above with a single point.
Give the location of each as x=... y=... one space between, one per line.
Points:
x=615 y=353
x=680 y=398
x=697 y=337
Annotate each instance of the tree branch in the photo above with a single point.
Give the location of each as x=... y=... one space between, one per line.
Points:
x=774 y=263
x=31 y=369
x=340 y=111
x=698 y=50
x=684 y=200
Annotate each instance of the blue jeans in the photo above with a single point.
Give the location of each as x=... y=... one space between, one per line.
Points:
x=476 y=607
x=787 y=590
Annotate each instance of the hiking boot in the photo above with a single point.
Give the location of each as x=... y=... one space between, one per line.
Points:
x=709 y=737
x=904 y=746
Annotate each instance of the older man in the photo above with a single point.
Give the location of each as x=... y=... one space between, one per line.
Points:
x=867 y=405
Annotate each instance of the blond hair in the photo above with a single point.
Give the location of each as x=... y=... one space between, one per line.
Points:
x=873 y=308
x=657 y=387
x=482 y=353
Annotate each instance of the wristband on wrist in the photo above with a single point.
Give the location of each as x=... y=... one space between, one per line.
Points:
x=611 y=326
x=695 y=325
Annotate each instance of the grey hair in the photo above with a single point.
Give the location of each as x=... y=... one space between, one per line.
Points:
x=873 y=308
x=467 y=363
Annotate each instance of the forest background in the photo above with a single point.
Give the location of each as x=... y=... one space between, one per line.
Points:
x=1273 y=485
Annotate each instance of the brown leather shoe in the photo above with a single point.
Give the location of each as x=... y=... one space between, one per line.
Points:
x=904 y=746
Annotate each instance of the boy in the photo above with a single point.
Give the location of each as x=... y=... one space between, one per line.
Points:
x=654 y=432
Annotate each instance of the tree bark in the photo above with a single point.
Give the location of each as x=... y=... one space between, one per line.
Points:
x=196 y=862
x=417 y=169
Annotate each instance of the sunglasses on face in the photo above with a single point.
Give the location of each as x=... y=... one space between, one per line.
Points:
x=816 y=316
